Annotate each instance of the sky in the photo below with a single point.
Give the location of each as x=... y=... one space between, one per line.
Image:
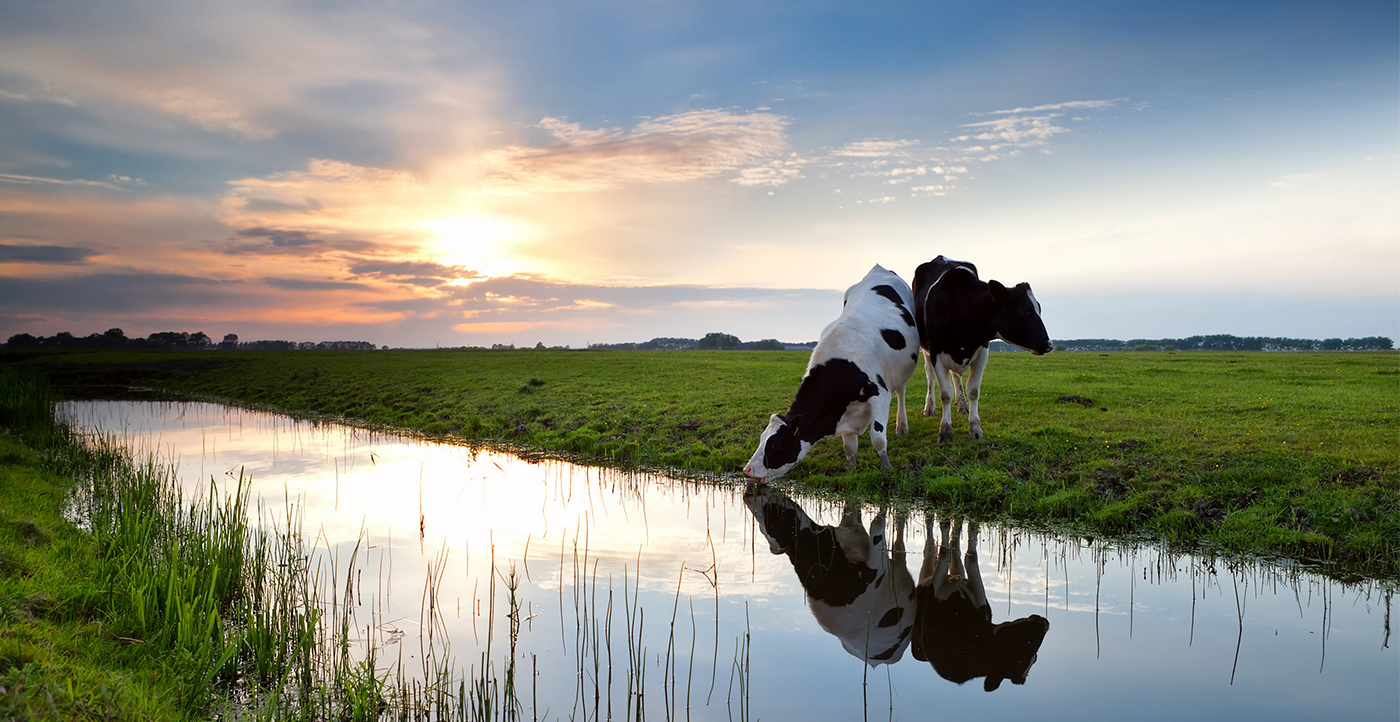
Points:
x=425 y=173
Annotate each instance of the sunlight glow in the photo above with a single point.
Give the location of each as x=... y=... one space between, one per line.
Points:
x=479 y=242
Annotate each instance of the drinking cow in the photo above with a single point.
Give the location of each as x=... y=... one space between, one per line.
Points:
x=863 y=358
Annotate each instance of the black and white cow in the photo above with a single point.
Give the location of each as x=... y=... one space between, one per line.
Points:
x=862 y=358
x=856 y=582
x=953 y=627
x=958 y=315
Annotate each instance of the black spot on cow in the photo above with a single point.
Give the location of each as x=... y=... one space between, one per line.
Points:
x=881 y=380
x=914 y=356
x=826 y=391
x=878 y=426
x=888 y=292
x=895 y=339
x=891 y=617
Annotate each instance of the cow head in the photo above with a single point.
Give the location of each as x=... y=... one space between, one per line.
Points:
x=1017 y=319
x=779 y=449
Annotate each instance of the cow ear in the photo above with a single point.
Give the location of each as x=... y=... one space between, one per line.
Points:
x=795 y=422
x=998 y=291
x=1023 y=286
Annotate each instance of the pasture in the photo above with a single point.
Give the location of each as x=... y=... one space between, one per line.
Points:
x=1289 y=453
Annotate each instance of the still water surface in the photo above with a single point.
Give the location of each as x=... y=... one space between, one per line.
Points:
x=767 y=605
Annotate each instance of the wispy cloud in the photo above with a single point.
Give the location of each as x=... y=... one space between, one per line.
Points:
x=65 y=255
x=38 y=180
x=876 y=149
x=1022 y=127
x=686 y=146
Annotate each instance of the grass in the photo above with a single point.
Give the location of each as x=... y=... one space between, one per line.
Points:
x=1285 y=453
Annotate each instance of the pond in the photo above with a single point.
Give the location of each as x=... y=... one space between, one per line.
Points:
x=708 y=601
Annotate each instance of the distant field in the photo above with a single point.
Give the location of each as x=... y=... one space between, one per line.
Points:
x=1292 y=453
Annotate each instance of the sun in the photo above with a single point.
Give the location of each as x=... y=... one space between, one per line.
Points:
x=482 y=243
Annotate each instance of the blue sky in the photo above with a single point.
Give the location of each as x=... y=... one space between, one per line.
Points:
x=433 y=173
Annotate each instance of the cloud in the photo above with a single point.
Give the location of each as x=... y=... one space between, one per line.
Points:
x=148 y=70
x=104 y=294
x=208 y=111
x=36 y=180
x=1017 y=130
x=876 y=149
x=687 y=146
x=1021 y=128
x=418 y=273
x=774 y=173
x=300 y=284
x=1073 y=104
x=291 y=242
x=68 y=255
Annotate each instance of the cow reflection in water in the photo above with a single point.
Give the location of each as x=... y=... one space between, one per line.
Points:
x=953 y=628
x=857 y=585
x=859 y=589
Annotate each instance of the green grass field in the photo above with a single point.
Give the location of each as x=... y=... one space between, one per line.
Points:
x=1277 y=453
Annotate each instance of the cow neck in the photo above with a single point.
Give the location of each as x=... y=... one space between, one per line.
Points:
x=826 y=391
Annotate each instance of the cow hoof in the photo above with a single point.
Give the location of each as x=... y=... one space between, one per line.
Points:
x=945 y=434
x=901 y=430
x=962 y=408
x=975 y=433
x=928 y=411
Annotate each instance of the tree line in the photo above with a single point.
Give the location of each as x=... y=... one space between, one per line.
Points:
x=1225 y=342
x=116 y=339
x=710 y=341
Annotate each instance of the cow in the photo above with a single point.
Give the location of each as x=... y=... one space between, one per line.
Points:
x=953 y=629
x=958 y=315
x=856 y=582
x=862 y=358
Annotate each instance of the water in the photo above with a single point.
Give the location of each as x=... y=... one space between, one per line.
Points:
x=722 y=605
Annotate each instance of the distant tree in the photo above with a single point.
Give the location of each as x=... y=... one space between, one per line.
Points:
x=23 y=340
x=539 y=346
x=718 y=341
x=768 y=344
x=230 y=342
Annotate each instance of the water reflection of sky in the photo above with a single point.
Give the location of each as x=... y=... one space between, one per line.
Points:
x=1131 y=633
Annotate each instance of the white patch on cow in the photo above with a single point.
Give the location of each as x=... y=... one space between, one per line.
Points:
x=1033 y=301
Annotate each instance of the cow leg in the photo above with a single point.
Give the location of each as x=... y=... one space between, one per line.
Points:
x=880 y=412
x=974 y=390
x=901 y=422
x=850 y=441
x=932 y=377
x=945 y=384
x=960 y=390
x=973 y=574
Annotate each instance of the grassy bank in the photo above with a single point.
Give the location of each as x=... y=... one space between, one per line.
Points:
x=1293 y=453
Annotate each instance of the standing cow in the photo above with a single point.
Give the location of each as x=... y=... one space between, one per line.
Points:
x=863 y=357
x=958 y=315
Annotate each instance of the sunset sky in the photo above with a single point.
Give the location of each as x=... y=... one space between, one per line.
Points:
x=423 y=173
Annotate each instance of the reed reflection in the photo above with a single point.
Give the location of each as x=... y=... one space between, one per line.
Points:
x=856 y=581
x=953 y=627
